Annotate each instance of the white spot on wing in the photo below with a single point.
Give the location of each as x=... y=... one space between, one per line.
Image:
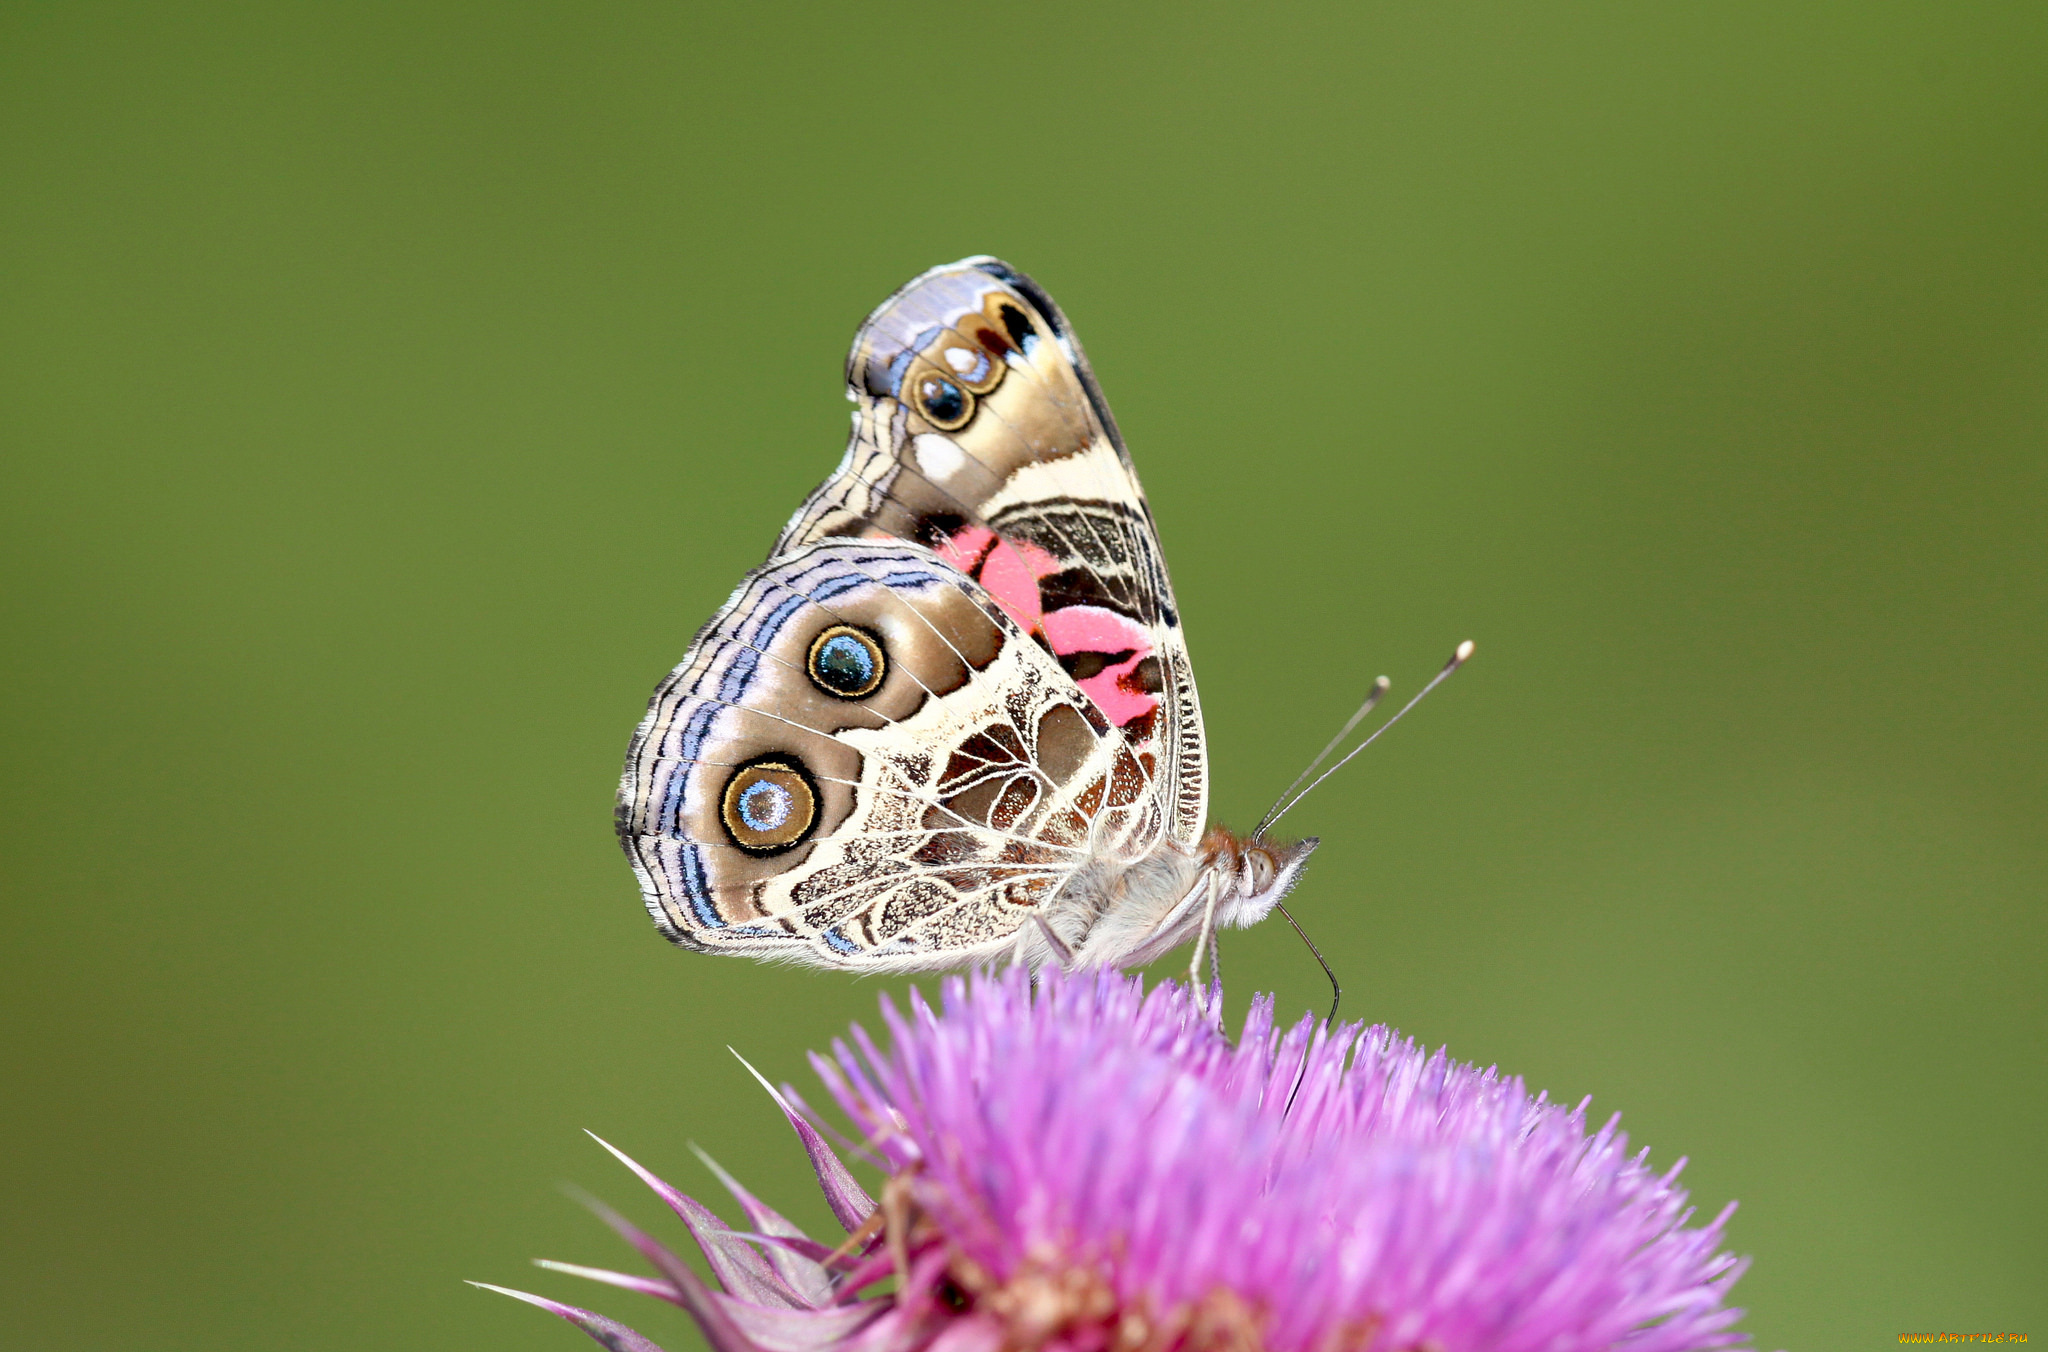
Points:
x=938 y=457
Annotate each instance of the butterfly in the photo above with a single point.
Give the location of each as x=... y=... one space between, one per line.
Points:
x=952 y=718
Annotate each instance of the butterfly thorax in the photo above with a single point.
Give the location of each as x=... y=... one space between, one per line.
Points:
x=1120 y=913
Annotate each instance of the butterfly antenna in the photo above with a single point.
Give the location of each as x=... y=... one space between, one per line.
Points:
x=1336 y=991
x=1458 y=659
x=1379 y=690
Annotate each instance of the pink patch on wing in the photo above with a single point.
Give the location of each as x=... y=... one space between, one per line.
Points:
x=964 y=548
x=1010 y=569
x=1092 y=629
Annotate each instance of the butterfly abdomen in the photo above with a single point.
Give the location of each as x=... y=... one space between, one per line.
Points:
x=1113 y=907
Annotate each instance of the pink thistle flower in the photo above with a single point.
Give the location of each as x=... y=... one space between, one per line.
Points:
x=1085 y=1167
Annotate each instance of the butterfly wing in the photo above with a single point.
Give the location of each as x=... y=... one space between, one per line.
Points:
x=981 y=433
x=865 y=761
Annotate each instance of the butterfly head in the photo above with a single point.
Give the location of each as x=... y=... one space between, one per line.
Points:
x=1257 y=874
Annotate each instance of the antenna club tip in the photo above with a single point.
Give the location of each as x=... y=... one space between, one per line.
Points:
x=1383 y=683
x=1464 y=653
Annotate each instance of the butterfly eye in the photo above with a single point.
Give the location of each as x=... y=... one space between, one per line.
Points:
x=847 y=662
x=1261 y=869
x=769 y=805
x=943 y=401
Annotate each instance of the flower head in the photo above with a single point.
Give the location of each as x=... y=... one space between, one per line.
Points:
x=1085 y=1167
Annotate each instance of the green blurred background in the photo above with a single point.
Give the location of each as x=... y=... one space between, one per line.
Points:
x=391 y=390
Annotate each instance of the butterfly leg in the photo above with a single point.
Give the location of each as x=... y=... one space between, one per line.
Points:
x=1205 y=940
x=1061 y=953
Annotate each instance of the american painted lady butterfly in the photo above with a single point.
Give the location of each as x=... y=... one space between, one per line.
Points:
x=952 y=718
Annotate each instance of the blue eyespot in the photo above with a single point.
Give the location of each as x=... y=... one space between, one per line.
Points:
x=765 y=805
x=847 y=662
x=770 y=804
x=945 y=403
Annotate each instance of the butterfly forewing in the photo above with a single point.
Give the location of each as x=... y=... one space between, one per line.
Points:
x=981 y=433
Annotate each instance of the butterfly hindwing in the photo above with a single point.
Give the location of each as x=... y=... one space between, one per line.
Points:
x=866 y=761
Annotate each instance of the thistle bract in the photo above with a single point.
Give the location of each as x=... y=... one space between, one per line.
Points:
x=1086 y=1167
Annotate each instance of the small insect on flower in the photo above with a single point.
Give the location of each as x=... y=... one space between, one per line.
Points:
x=1081 y=1166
